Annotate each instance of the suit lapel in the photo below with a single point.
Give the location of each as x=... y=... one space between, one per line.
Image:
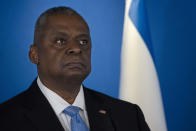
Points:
x=98 y=113
x=39 y=111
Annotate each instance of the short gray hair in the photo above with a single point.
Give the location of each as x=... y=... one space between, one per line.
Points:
x=42 y=20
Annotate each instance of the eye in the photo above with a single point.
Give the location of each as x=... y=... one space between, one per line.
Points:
x=60 y=42
x=83 y=42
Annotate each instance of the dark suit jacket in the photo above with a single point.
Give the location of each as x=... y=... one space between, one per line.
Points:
x=30 y=111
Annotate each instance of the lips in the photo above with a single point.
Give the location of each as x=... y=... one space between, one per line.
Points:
x=75 y=65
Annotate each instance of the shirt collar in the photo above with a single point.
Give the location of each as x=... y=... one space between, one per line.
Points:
x=58 y=103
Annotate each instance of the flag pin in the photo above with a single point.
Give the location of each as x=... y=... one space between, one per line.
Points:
x=102 y=111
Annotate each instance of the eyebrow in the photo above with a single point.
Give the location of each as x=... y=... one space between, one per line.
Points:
x=66 y=35
x=60 y=33
x=83 y=35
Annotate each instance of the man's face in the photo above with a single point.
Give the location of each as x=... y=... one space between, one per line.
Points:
x=65 y=49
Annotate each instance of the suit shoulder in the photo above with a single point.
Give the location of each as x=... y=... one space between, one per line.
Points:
x=13 y=102
x=111 y=101
x=121 y=111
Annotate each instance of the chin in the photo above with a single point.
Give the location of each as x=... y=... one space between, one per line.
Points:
x=76 y=74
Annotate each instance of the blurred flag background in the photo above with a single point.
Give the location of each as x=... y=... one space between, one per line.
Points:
x=139 y=81
x=171 y=30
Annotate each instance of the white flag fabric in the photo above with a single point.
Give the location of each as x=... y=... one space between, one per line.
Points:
x=139 y=82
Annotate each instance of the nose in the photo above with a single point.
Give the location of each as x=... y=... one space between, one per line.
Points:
x=74 y=49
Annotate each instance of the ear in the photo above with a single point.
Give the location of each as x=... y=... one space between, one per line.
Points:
x=33 y=54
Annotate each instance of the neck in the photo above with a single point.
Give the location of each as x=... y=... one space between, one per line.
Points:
x=67 y=89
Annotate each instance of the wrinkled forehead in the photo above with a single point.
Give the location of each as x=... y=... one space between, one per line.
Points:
x=66 y=20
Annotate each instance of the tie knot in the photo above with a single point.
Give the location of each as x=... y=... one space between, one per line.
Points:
x=71 y=110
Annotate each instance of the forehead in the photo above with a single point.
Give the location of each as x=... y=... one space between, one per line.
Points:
x=68 y=22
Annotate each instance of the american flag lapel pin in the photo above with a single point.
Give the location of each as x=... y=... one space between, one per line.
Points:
x=102 y=111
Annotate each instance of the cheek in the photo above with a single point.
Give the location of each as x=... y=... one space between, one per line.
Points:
x=89 y=56
x=56 y=60
x=50 y=59
x=88 y=60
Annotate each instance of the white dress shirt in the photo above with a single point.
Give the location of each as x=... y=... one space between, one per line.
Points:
x=59 y=104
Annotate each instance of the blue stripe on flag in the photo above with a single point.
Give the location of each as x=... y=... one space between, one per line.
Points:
x=137 y=13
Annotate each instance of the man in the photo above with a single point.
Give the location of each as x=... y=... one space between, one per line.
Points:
x=62 y=53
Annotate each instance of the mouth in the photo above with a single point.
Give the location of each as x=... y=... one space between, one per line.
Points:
x=77 y=65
